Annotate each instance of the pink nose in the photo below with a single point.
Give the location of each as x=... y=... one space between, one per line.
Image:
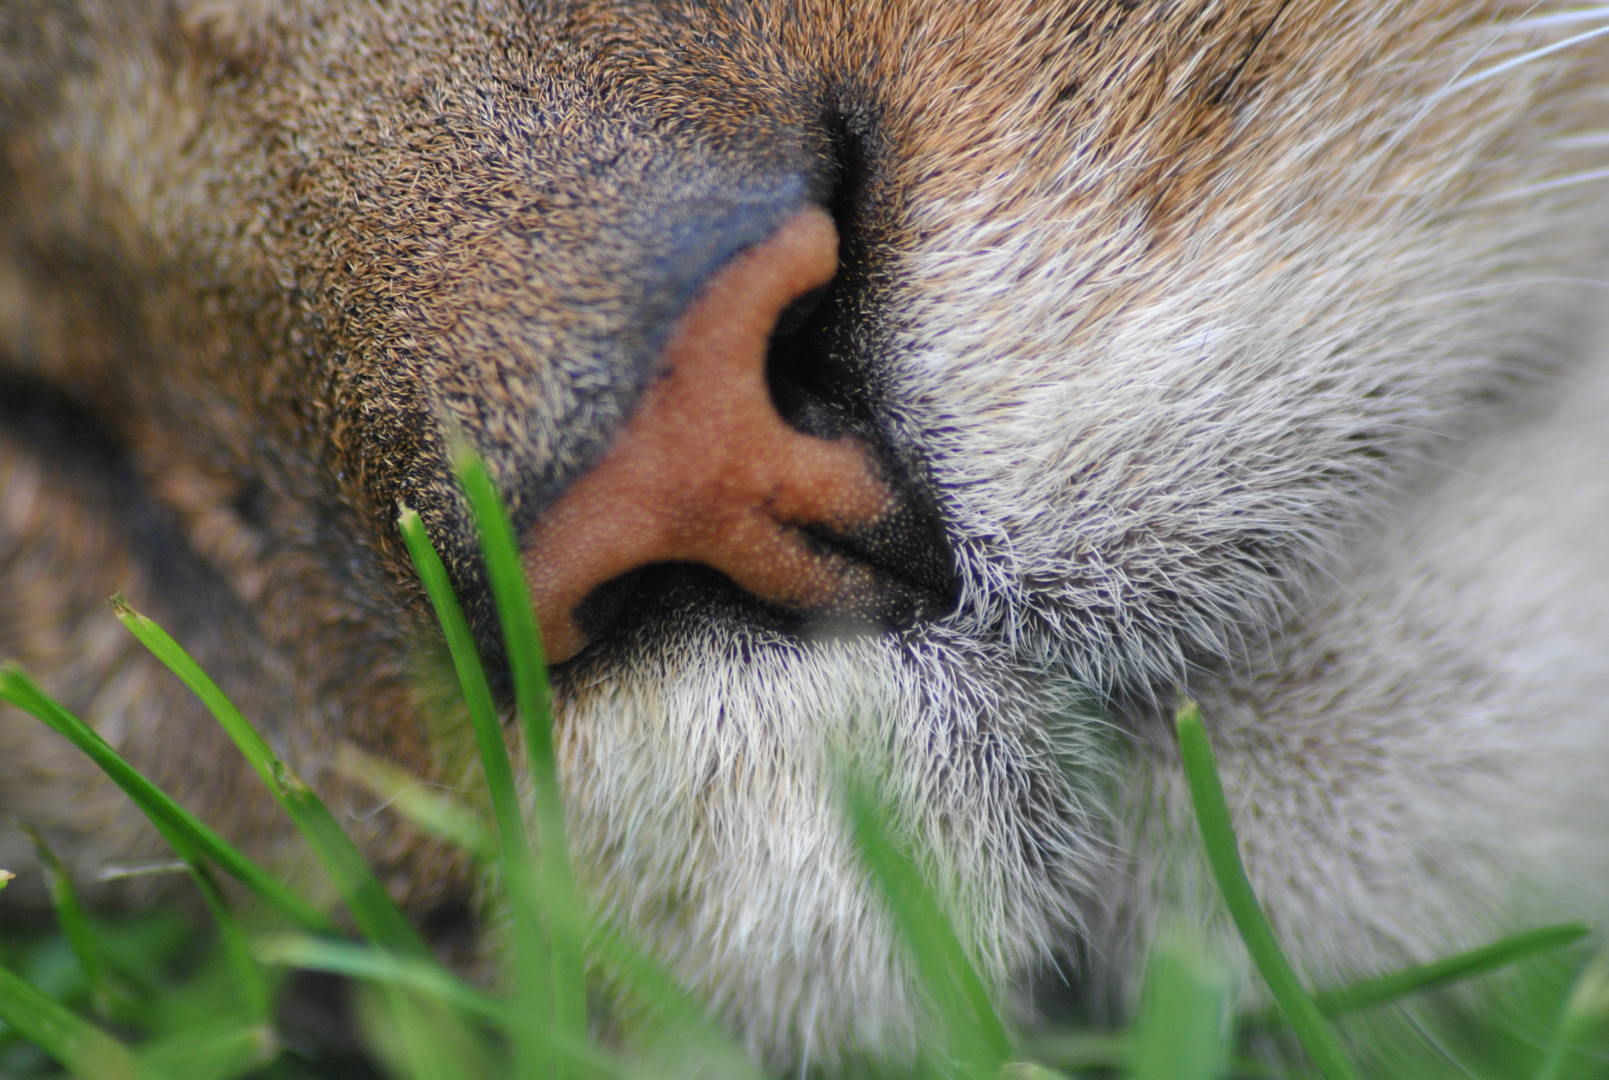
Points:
x=707 y=471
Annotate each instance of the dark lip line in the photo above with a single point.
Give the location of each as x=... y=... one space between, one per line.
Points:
x=943 y=594
x=641 y=583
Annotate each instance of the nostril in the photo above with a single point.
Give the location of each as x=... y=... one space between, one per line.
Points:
x=814 y=386
x=796 y=315
x=818 y=390
x=812 y=390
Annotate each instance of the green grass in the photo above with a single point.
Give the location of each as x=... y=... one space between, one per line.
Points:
x=153 y=997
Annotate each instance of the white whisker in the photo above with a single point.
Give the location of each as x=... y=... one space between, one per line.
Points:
x=1506 y=286
x=1526 y=58
x=1581 y=142
x=1453 y=83
x=1442 y=92
x=1561 y=18
x=1547 y=185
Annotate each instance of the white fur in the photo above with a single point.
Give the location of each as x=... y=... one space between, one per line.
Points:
x=1294 y=456
x=1422 y=762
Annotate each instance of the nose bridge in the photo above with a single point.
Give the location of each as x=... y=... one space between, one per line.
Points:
x=707 y=471
x=618 y=281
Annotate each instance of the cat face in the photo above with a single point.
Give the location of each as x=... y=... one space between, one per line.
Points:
x=1121 y=317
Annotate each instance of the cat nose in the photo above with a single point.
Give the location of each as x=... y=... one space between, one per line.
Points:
x=707 y=470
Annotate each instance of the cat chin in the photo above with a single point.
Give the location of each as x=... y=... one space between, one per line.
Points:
x=705 y=777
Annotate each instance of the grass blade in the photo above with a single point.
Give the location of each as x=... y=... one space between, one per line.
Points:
x=6 y=876
x=187 y=837
x=1466 y=965
x=75 y=926
x=81 y=1047
x=371 y=906
x=1031 y=1070
x=177 y=825
x=365 y=962
x=1183 y=1031
x=536 y=981
x=429 y=810
x=81 y=936
x=1080 y=1051
x=427 y=980
x=978 y=1041
x=223 y=1053
x=418 y=1038
x=1586 y=1012
x=1223 y=855
x=249 y=980
x=534 y=700
x=499 y=771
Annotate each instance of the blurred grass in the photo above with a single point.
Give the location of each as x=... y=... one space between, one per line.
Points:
x=156 y=997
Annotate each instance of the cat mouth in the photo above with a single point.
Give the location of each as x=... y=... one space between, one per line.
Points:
x=886 y=596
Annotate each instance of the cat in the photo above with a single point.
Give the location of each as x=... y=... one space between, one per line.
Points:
x=942 y=387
